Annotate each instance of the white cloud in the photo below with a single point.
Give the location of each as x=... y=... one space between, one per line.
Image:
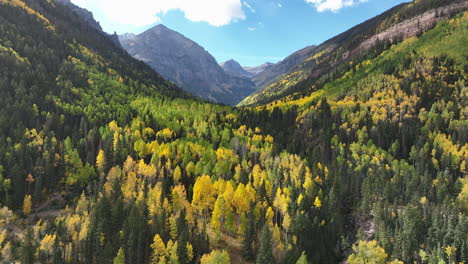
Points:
x=332 y=5
x=280 y=5
x=249 y=7
x=145 y=12
x=259 y=25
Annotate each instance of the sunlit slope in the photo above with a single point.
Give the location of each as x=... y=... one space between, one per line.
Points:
x=362 y=42
x=407 y=68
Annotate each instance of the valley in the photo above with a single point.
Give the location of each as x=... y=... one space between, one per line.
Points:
x=142 y=148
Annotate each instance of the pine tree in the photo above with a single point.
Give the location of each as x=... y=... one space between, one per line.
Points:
x=247 y=247
x=265 y=251
x=182 y=240
x=28 y=248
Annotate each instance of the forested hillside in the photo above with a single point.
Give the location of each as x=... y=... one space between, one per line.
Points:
x=103 y=161
x=365 y=40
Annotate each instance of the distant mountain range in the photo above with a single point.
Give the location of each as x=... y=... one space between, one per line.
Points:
x=234 y=68
x=187 y=64
x=258 y=69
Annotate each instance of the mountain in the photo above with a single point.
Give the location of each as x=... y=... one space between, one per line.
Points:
x=234 y=68
x=88 y=17
x=85 y=14
x=186 y=63
x=401 y=22
x=258 y=69
x=282 y=67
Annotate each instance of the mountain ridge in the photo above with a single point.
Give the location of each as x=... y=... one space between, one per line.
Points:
x=234 y=68
x=188 y=64
x=258 y=69
x=330 y=54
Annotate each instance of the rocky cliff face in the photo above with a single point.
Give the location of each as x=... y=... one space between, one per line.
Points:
x=234 y=68
x=410 y=27
x=186 y=63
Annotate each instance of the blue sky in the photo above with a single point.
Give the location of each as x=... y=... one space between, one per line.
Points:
x=250 y=31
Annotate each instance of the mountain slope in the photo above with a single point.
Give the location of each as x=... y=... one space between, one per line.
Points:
x=258 y=69
x=181 y=60
x=282 y=67
x=394 y=25
x=88 y=17
x=234 y=68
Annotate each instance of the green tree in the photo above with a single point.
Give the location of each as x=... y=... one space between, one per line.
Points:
x=216 y=257
x=28 y=248
x=247 y=243
x=265 y=251
x=302 y=259
x=120 y=258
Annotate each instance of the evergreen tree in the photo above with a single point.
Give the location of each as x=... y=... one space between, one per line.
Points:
x=247 y=244
x=28 y=247
x=265 y=251
x=182 y=240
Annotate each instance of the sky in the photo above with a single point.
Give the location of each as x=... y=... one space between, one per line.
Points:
x=251 y=32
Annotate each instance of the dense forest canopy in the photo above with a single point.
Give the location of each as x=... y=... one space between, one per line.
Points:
x=103 y=161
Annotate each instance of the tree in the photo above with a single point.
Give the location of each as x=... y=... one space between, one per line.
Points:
x=247 y=243
x=203 y=194
x=101 y=160
x=265 y=251
x=27 y=205
x=218 y=215
x=216 y=257
x=182 y=230
x=367 y=253
x=463 y=196
x=317 y=202
x=159 y=249
x=302 y=259
x=241 y=199
x=120 y=258
x=28 y=247
x=177 y=174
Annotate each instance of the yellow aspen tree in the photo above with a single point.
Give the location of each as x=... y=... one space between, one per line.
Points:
x=179 y=200
x=101 y=160
x=158 y=249
x=190 y=251
x=367 y=252
x=47 y=244
x=317 y=202
x=286 y=226
x=228 y=193
x=203 y=195
x=241 y=200
x=177 y=174
x=27 y=205
x=128 y=187
x=217 y=218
